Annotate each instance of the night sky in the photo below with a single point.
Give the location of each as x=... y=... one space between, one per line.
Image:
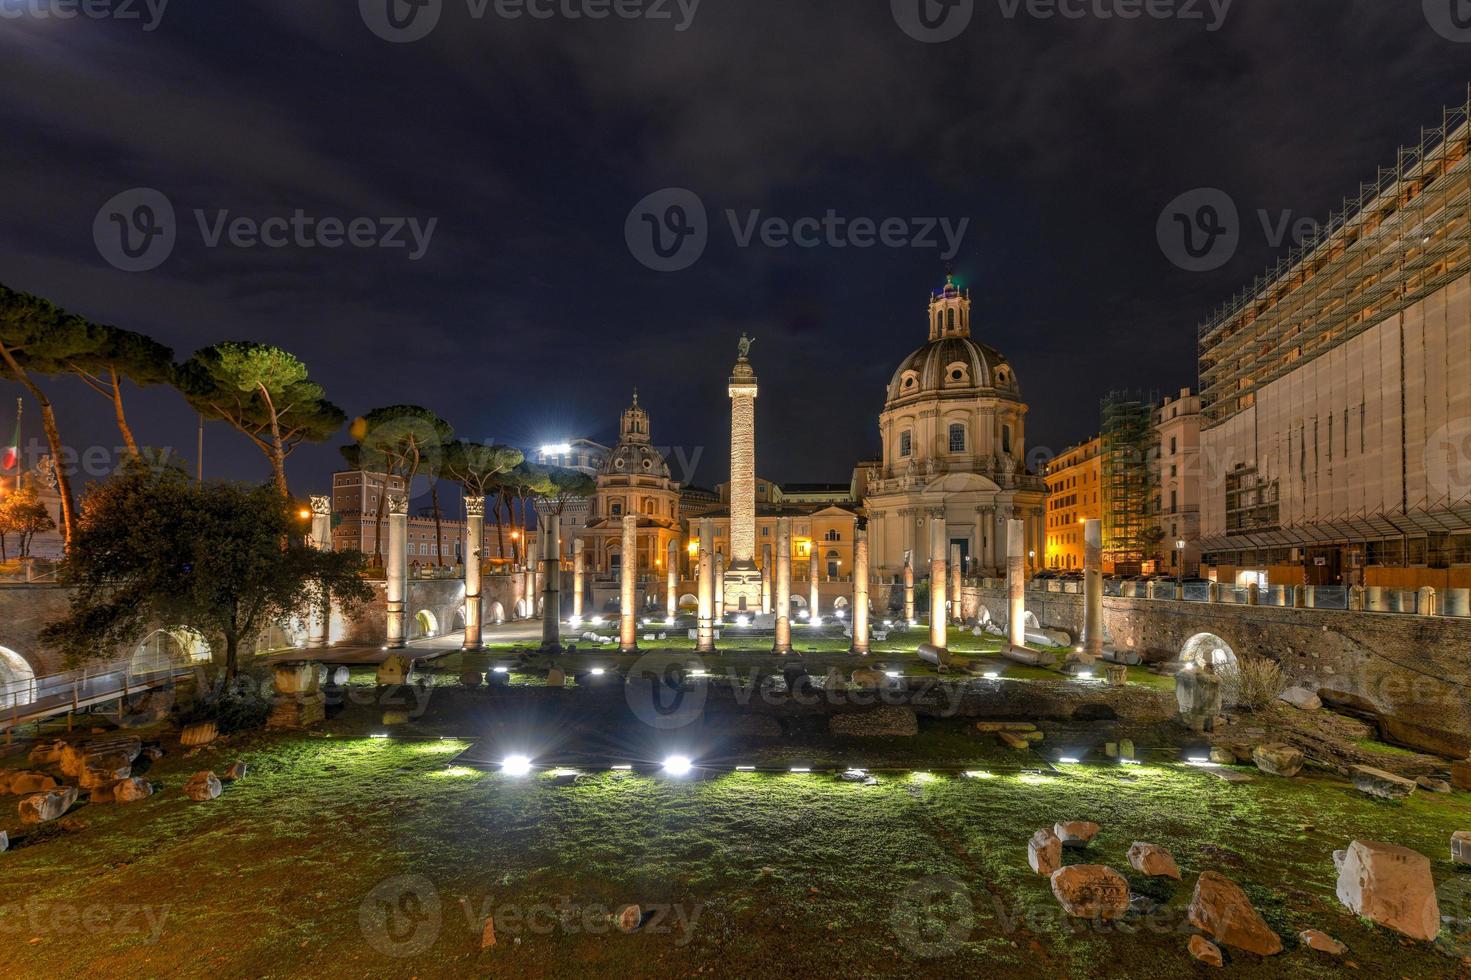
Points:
x=529 y=141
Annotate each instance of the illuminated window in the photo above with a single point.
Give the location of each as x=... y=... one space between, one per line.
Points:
x=906 y=443
x=957 y=438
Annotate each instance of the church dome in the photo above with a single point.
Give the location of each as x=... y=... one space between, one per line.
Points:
x=955 y=364
x=636 y=459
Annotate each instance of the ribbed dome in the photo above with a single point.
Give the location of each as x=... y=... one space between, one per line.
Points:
x=952 y=364
x=636 y=459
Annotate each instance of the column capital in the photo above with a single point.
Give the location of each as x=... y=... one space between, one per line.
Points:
x=321 y=506
x=475 y=506
x=398 y=504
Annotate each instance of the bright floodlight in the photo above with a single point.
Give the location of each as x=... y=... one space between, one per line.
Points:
x=677 y=765
x=501 y=670
x=1068 y=760
x=1198 y=760
x=840 y=614
x=743 y=621
x=991 y=675
x=892 y=673
x=598 y=672
x=556 y=449
x=516 y=765
x=668 y=620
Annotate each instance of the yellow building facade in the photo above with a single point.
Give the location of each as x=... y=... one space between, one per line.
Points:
x=1073 y=480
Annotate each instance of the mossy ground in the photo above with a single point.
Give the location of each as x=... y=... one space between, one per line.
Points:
x=781 y=875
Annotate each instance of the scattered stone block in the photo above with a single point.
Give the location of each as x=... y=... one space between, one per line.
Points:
x=1117 y=675
x=200 y=733
x=395 y=716
x=1091 y=891
x=203 y=786
x=629 y=918
x=1206 y=951
x=1126 y=748
x=869 y=680
x=556 y=677
x=1432 y=785
x=1221 y=910
x=101 y=770
x=132 y=790
x=1278 y=759
x=45 y=807
x=1322 y=942
x=395 y=669
x=884 y=721
x=1385 y=785
x=46 y=753
x=1031 y=658
x=235 y=771
x=1044 y=852
x=992 y=727
x=1301 y=698
x=931 y=654
x=76 y=758
x=4 y=841
x=1111 y=749
x=1461 y=847
x=1075 y=834
x=1153 y=860
x=25 y=783
x=1222 y=756
x=1013 y=741
x=471 y=679
x=1461 y=774
x=1390 y=885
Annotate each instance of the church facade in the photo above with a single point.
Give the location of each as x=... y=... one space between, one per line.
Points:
x=953 y=429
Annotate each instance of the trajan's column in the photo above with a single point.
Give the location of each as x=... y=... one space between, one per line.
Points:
x=742 y=584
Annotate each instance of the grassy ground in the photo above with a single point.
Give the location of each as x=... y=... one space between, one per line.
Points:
x=341 y=856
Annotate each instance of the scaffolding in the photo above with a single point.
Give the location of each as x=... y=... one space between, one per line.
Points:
x=1129 y=452
x=1405 y=236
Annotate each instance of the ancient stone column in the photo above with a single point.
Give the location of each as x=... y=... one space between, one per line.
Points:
x=398 y=568
x=860 y=593
x=718 y=610
x=957 y=609
x=1016 y=582
x=814 y=599
x=1093 y=589
x=551 y=597
x=671 y=581
x=742 y=578
x=937 y=582
x=783 y=642
x=766 y=580
x=579 y=574
x=628 y=597
x=705 y=614
x=320 y=615
x=908 y=588
x=474 y=542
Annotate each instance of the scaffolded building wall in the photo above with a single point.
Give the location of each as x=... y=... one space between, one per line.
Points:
x=1127 y=450
x=1336 y=390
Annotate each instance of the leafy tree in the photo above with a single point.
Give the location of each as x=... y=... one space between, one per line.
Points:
x=403 y=441
x=22 y=514
x=38 y=338
x=480 y=469
x=265 y=393
x=556 y=487
x=155 y=547
x=122 y=355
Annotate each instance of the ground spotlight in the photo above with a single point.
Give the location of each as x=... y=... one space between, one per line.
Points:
x=678 y=765
x=516 y=765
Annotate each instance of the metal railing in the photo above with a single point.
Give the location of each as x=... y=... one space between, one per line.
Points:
x=39 y=698
x=1449 y=603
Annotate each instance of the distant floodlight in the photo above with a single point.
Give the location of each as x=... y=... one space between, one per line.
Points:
x=625 y=767
x=1085 y=675
x=801 y=769
x=892 y=673
x=556 y=449
x=1198 y=760
x=678 y=765
x=742 y=621
x=816 y=620
x=913 y=623
x=1068 y=760
x=668 y=620
x=597 y=672
x=803 y=614
x=500 y=670
x=840 y=613
x=745 y=768
x=516 y=765
x=378 y=735
x=1129 y=762
x=597 y=620
x=978 y=774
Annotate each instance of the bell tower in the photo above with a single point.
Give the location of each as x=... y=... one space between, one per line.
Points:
x=635 y=424
x=949 y=311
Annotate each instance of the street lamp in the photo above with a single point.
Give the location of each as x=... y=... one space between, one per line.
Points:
x=1180 y=569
